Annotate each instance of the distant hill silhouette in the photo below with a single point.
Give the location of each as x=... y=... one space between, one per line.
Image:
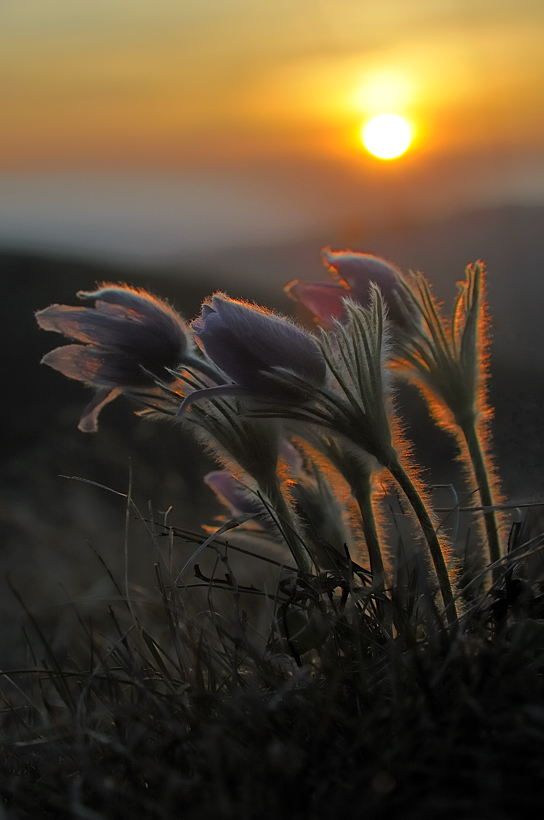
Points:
x=40 y=406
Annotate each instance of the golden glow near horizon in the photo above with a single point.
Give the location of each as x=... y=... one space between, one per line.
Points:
x=385 y=90
x=111 y=82
x=387 y=136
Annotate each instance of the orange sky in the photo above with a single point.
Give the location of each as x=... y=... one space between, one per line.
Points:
x=272 y=89
x=168 y=83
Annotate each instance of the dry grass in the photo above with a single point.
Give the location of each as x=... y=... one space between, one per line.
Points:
x=163 y=706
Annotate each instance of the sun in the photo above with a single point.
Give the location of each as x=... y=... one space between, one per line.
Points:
x=387 y=136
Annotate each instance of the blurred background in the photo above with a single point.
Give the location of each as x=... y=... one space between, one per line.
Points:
x=189 y=146
x=152 y=131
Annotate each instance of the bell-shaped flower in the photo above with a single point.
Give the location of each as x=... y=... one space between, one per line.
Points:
x=324 y=300
x=128 y=338
x=254 y=347
x=353 y=273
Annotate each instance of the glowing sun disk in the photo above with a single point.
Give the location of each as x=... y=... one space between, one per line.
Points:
x=387 y=136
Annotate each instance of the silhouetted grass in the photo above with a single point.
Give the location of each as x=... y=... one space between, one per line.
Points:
x=168 y=709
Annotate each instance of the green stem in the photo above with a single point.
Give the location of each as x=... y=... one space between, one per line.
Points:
x=481 y=475
x=361 y=489
x=358 y=475
x=288 y=525
x=401 y=476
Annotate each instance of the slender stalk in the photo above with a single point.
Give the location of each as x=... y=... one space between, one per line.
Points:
x=401 y=476
x=358 y=475
x=287 y=524
x=361 y=489
x=481 y=475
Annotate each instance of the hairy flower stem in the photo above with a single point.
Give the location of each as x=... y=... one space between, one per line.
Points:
x=287 y=523
x=361 y=490
x=481 y=475
x=358 y=474
x=401 y=476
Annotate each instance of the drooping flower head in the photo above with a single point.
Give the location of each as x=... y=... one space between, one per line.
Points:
x=128 y=337
x=353 y=273
x=252 y=345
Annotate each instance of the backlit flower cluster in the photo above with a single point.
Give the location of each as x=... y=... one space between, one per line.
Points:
x=252 y=384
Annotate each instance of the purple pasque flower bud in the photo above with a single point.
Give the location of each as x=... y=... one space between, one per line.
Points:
x=233 y=494
x=252 y=345
x=353 y=273
x=322 y=299
x=128 y=337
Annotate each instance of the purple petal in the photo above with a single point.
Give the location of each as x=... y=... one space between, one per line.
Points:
x=127 y=303
x=108 y=329
x=88 y=422
x=139 y=302
x=322 y=299
x=75 y=362
x=270 y=339
x=358 y=270
x=74 y=322
x=233 y=494
x=117 y=311
x=198 y=323
x=96 y=366
x=154 y=338
x=229 y=353
x=206 y=310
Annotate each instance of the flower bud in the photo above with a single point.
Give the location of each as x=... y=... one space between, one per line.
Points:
x=128 y=338
x=354 y=273
x=252 y=345
x=233 y=494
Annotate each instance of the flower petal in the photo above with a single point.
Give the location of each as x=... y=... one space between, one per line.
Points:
x=322 y=299
x=88 y=422
x=143 y=332
x=229 y=353
x=233 y=494
x=122 y=301
x=74 y=322
x=75 y=362
x=96 y=366
x=358 y=270
x=272 y=340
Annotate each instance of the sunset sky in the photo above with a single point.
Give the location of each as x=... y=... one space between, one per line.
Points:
x=242 y=119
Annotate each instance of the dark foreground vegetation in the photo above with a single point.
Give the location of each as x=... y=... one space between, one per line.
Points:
x=208 y=727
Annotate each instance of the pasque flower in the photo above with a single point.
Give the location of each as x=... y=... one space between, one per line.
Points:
x=126 y=339
x=447 y=358
x=353 y=273
x=356 y=405
x=253 y=347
